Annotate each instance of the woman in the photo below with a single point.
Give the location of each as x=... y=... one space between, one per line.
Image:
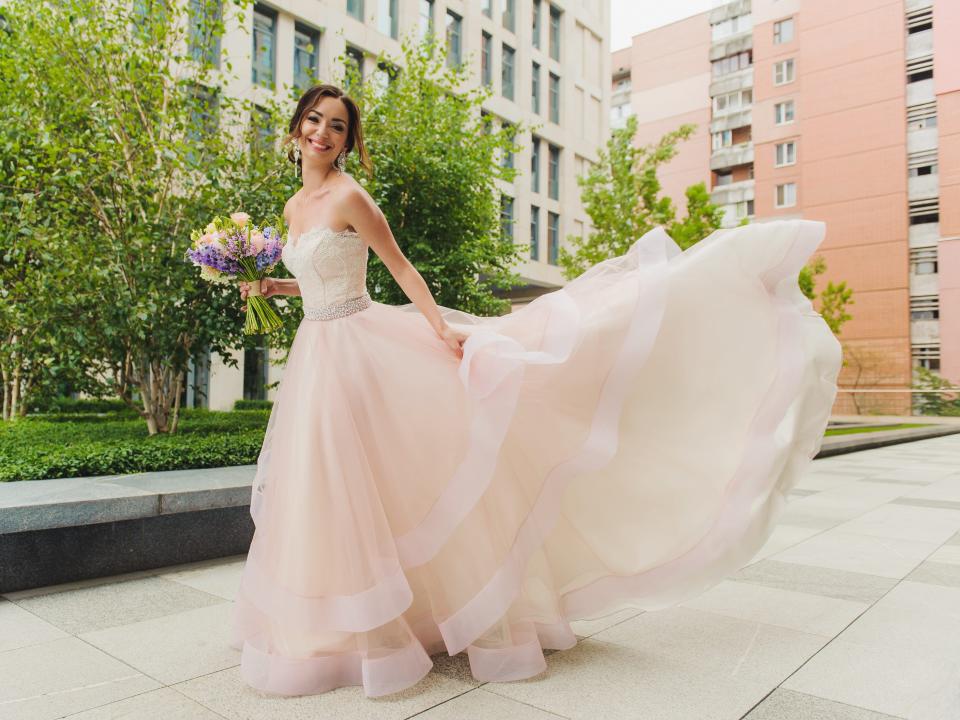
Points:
x=435 y=481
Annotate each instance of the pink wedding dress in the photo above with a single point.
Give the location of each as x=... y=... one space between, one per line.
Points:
x=627 y=439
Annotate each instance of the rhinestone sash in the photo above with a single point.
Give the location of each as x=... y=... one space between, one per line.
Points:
x=338 y=310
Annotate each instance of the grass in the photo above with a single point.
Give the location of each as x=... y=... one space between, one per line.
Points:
x=872 y=428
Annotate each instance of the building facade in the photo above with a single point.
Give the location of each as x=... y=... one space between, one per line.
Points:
x=546 y=62
x=841 y=112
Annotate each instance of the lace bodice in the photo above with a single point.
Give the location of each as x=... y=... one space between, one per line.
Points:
x=330 y=266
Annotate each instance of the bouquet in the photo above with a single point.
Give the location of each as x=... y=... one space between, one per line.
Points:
x=232 y=249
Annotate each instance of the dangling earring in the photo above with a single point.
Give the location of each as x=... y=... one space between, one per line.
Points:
x=341 y=162
x=296 y=159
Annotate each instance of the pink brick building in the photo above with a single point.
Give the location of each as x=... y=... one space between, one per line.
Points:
x=847 y=113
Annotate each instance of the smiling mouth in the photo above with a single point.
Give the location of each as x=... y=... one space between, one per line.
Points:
x=320 y=146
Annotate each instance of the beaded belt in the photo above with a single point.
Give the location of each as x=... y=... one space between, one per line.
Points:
x=338 y=310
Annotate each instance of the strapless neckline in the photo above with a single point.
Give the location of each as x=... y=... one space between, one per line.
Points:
x=321 y=228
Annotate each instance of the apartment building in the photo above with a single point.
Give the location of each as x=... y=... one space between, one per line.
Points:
x=546 y=62
x=840 y=112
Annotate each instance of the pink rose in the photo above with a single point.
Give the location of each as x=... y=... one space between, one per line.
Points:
x=207 y=238
x=258 y=241
x=240 y=218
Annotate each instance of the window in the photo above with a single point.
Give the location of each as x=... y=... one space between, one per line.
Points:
x=262 y=127
x=255 y=367
x=732 y=63
x=354 y=66
x=506 y=72
x=553 y=180
x=264 y=46
x=920 y=69
x=922 y=116
x=723 y=178
x=204 y=41
x=509 y=17
x=731 y=26
x=426 y=18
x=486 y=6
x=923 y=261
x=926 y=210
x=534 y=232
x=553 y=238
x=535 y=89
x=786 y=153
x=786 y=195
x=506 y=216
x=783 y=72
x=919 y=20
x=554 y=33
x=722 y=139
x=925 y=307
x=743 y=209
x=387 y=18
x=537 y=15
x=783 y=112
x=454 y=24
x=554 y=99
x=204 y=117
x=731 y=102
x=486 y=59
x=926 y=355
x=507 y=154
x=535 y=165
x=306 y=56
x=783 y=31
x=355 y=8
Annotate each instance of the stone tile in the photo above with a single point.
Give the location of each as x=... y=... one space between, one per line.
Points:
x=910 y=683
x=19 y=628
x=19 y=595
x=226 y=693
x=886 y=557
x=955 y=540
x=611 y=681
x=807 y=613
x=216 y=577
x=174 y=647
x=483 y=705
x=831 y=507
x=591 y=626
x=826 y=480
x=163 y=703
x=936 y=573
x=947 y=553
x=946 y=489
x=840 y=584
x=895 y=481
x=911 y=617
x=782 y=704
x=803 y=492
x=783 y=536
x=906 y=522
x=53 y=679
x=924 y=502
x=456 y=667
x=118 y=603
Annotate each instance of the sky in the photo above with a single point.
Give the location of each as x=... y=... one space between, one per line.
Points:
x=632 y=17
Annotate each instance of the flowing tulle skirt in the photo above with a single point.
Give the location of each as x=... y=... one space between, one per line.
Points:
x=627 y=439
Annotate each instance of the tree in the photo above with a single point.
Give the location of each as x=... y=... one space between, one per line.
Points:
x=436 y=179
x=621 y=194
x=833 y=299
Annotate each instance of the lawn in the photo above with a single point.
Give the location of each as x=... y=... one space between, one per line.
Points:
x=873 y=428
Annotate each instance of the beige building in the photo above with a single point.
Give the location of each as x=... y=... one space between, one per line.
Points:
x=547 y=62
x=843 y=112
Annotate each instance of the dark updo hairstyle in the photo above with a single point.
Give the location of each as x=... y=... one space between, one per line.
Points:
x=354 y=129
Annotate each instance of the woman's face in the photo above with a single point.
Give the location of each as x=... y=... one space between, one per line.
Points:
x=323 y=131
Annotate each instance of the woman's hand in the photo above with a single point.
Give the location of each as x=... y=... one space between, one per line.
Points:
x=454 y=339
x=268 y=287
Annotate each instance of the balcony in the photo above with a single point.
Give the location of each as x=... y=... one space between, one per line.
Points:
x=920 y=140
x=741 y=42
x=731 y=120
x=924 y=331
x=729 y=10
x=739 y=154
x=920 y=92
x=926 y=284
x=924 y=234
x=920 y=44
x=732 y=193
x=923 y=186
x=739 y=80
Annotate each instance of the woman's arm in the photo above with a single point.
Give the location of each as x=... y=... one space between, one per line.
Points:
x=287 y=286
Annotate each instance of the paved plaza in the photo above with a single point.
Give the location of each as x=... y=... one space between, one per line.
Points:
x=850 y=612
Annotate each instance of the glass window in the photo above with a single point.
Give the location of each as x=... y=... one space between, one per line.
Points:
x=506 y=216
x=264 y=46
x=535 y=89
x=486 y=60
x=783 y=72
x=354 y=66
x=454 y=26
x=507 y=154
x=486 y=6
x=553 y=238
x=255 y=367
x=534 y=232
x=723 y=178
x=306 y=56
x=263 y=130
x=537 y=13
x=509 y=15
x=554 y=33
x=204 y=42
x=783 y=31
x=553 y=181
x=355 y=8
x=786 y=153
x=387 y=18
x=554 y=99
x=786 y=195
x=506 y=68
x=535 y=165
x=426 y=18
x=783 y=112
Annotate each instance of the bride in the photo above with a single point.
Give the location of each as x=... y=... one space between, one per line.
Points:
x=434 y=481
